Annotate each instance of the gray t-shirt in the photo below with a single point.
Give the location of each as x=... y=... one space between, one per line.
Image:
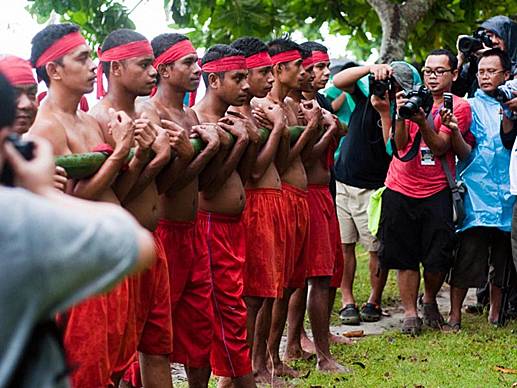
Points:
x=49 y=260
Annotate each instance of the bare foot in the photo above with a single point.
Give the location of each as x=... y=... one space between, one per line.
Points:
x=264 y=376
x=224 y=382
x=330 y=365
x=297 y=354
x=307 y=344
x=339 y=339
x=283 y=370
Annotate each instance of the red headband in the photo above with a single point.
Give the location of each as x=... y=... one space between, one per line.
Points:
x=308 y=62
x=18 y=71
x=234 y=62
x=60 y=48
x=175 y=52
x=261 y=59
x=135 y=49
x=320 y=56
x=286 y=56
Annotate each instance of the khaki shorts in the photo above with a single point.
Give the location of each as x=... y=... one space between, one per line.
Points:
x=352 y=205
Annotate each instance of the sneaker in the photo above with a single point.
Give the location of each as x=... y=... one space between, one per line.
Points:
x=371 y=312
x=349 y=315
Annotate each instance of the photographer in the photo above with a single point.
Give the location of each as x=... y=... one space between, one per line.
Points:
x=496 y=32
x=361 y=169
x=485 y=234
x=416 y=218
x=55 y=251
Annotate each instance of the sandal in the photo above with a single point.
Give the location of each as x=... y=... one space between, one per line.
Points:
x=450 y=327
x=411 y=326
x=349 y=315
x=371 y=312
x=432 y=316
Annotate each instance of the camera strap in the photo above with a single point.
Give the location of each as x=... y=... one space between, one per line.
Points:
x=413 y=151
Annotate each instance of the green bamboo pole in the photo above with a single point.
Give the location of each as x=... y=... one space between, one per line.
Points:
x=80 y=166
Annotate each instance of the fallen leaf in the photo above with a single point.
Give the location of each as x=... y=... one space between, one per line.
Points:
x=306 y=375
x=358 y=363
x=505 y=370
x=354 y=334
x=514 y=385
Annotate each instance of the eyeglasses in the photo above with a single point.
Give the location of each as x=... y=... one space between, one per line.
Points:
x=437 y=72
x=489 y=72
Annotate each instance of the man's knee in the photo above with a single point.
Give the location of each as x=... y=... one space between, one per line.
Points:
x=349 y=250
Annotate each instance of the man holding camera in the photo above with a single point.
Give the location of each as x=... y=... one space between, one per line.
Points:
x=416 y=223
x=496 y=32
x=361 y=169
x=485 y=245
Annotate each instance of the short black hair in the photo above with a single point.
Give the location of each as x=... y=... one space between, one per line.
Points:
x=314 y=46
x=280 y=45
x=7 y=103
x=162 y=43
x=216 y=52
x=249 y=46
x=118 y=38
x=503 y=57
x=453 y=60
x=305 y=52
x=43 y=40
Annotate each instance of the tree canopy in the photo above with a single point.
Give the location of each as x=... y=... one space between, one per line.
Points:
x=407 y=29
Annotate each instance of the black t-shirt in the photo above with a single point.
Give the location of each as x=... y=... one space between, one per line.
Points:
x=323 y=102
x=363 y=161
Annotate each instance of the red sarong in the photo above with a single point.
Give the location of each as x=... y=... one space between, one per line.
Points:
x=86 y=343
x=191 y=292
x=152 y=318
x=321 y=247
x=224 y=236
x=265 y=239
x=297 y=228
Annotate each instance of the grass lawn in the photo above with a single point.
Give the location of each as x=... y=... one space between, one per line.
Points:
x=466 y=359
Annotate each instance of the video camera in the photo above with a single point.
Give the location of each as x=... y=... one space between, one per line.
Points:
x=470 y=44
x=25 y=148
x=380 y=87
x=504 y=93
x=420 y=98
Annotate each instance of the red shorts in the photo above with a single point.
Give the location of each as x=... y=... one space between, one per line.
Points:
x=335 y=282
x=321 y=246
x=224 y=236
x=153 y=323
x=265 y=238
x=191 y=293
x=86 y=343
x=297 y=227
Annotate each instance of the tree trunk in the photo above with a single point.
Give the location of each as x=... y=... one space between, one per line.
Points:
x=397 y=22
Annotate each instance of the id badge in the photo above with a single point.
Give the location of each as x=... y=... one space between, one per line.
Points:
x=426 y=157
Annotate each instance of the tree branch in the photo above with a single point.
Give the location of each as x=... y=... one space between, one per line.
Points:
x=413 y=11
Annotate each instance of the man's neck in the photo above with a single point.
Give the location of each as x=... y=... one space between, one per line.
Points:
x=120 y=99
x=212 y=106
x=437 y=99
x=63 y=99
x=310 y=95
x=170 y=97
x=279 y=91
x=296 y=95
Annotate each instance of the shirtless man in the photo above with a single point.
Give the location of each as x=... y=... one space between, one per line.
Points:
x=189 y=266
x=19 y=73
x=288 y=73
x=221 y=203
x=62 y=59
x=324 y=244
x=263 y=218
x=141 y=304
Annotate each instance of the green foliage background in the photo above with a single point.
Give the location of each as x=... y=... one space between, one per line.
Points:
x=222 y=21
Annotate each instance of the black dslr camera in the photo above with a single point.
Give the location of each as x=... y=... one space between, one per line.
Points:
x=470 y=44
x=26 y=148
x=421 y=98
x=379 y=87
